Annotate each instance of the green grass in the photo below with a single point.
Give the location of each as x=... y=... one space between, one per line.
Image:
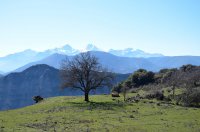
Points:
x=103 y=114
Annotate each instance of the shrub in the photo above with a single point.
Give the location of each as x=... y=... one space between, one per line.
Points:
x=135 y=99
x=191 y=97
x=155 y=94
x=142 y=77
x=115 y=94
x=37 y=99
x=117 y=88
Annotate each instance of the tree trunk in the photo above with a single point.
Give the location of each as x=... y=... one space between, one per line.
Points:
x=87 y=96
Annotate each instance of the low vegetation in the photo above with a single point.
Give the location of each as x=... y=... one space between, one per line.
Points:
x=186 y=78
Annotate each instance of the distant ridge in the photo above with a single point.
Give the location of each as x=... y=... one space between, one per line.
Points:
x=123 y=64
x=1 y=72
x=114 y=63
x=22 y=58
x=53 y=60
x=129 y=52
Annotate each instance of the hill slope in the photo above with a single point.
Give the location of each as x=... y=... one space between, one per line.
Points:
x=17 y=89
x=101 y=115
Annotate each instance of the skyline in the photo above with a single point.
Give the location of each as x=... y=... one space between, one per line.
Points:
x=168 y=27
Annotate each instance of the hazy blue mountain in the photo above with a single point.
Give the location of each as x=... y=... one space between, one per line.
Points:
x=129 y=64
x=17 y=89
x=122 y=61
x=2 y=73
x=14 y=61
x=129 y=52
x=124 y=64
x=174 y=61
x=53 y=60
x=114 y=63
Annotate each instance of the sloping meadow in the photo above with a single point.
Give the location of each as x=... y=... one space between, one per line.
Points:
x=103 y=113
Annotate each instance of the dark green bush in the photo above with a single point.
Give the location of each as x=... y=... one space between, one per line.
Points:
x=142 y=77
x=37 y=99
x=118 y=88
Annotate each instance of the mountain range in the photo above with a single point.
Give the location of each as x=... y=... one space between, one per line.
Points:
x=119 y=61
x=122 y=64
x=17 y=89
x=14 y=61
x=37 y=73
x=1 y=75
x=129 y=52
x=1 y=72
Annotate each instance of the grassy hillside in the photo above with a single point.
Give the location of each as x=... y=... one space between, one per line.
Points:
x=102 y=114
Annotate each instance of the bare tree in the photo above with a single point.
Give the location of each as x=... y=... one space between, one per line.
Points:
x=173 y=79
x=191 y=81
x=84 y=72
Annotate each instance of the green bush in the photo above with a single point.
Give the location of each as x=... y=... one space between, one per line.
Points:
x=118 y=88
x=142 y=77
x=155 y=94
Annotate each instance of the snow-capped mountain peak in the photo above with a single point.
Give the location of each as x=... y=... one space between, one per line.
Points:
x=66 y=47
x=91 y=47
x=27 y=56
x=66 y=50
x=130 y=52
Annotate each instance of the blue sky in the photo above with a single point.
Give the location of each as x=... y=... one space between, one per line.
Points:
x=170 y=27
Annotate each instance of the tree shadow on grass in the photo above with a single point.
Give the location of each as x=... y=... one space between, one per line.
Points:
x=98 y=105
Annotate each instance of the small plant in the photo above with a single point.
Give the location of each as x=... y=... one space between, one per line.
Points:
x=115 y=94
x=37 y=99
x=131 y=116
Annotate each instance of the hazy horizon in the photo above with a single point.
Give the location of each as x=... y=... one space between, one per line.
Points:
x=84 y=49
x=167 y=27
